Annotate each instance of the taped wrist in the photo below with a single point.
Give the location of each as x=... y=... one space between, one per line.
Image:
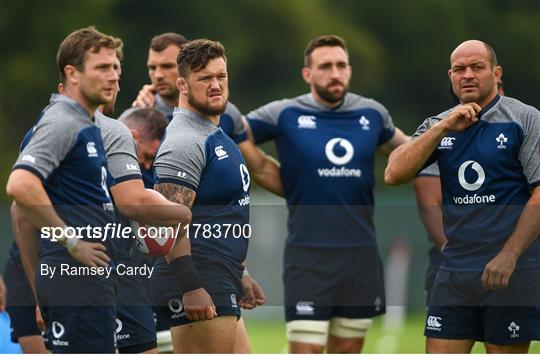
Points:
x=184 y=271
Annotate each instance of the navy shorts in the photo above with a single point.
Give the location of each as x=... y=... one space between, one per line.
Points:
x=21 y=303
x=460 y=308
x=135 y=324
x=80 y=329
x=79 y=310
x=220 y=277
x=323 y=283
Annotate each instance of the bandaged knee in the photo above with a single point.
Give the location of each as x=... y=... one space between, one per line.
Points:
x=349 y=328
x=308 y=331
x=164 y=341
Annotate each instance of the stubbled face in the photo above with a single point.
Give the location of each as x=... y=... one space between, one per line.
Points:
x=163 y=71
x=98 y=82
x=108 y=109
x=473 y=78
x=207 y=90
x=329 y=74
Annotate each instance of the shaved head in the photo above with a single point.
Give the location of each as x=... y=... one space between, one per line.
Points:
x=477 y=46
x=474 y=72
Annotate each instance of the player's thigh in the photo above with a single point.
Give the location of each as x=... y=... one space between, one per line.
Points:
x=362 y=294
x=135 y=329
x=21 y=303
x=82 y=329
x=347 y=334
x=453 y=313
x=32 y=344
x=448 y=346
x=212 y=336
x=242 y=345
x=512 y=315
x=311 y=278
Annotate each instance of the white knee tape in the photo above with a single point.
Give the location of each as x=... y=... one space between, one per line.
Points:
x=308 y=331
x=164 y=341
x=349 y=328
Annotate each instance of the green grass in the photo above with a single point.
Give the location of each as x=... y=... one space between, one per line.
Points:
x=267 y=335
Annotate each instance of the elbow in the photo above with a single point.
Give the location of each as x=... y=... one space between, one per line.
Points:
x=15 y=188
x=392 y=178
x=185 y=215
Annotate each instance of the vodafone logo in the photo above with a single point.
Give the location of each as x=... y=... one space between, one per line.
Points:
x=244 y=173
x=344 y=144
x=57 y=329
x=479 y=171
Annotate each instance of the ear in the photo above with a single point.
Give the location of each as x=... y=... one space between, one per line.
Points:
x=306 y=74
x=135 y=134
x=182 y=86
x=498 y=71
x=450 y=74
x=72 y=74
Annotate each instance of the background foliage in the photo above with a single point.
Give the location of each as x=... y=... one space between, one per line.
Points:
x=399 y=49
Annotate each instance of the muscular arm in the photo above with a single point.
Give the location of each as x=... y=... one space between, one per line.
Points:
x=198 y=304
x=429 y=200
x=406 y=160
x=25 y=237
x=181 y=195
x=264 y=169
x=31 y=198
x=28 y=192
x=498 y=271
x=397 y=139
x=147 y=206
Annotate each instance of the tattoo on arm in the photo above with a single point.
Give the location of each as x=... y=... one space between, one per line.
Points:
x=177 y=193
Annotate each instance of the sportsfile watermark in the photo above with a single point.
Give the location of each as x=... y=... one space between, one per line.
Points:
x=120 y=231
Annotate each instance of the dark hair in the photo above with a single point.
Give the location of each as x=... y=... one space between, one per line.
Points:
x=323 y=41
x=150 y=123
x=73 y=49
x=161 y=42
x=491 y=54
x=195 y=55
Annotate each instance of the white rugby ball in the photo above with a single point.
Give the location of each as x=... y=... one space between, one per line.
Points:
x=153 y=240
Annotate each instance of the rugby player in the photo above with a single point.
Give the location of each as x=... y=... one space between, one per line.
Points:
x=487 y=152
x=200 y=166
x=326 y=141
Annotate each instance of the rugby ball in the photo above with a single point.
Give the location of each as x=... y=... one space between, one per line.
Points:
x=153 y=240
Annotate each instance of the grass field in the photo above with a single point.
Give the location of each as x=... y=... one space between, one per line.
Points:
x=267 y=335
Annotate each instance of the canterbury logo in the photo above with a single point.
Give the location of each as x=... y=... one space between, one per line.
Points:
x=305 y=121
x=447 y=143
x=433 y=322
x=220 y=152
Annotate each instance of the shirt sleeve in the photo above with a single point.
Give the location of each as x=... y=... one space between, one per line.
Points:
x=180 y=161
x=264 y=120
x=121 y=152
x=529 y=153
x=239 y=131
x=51 y=140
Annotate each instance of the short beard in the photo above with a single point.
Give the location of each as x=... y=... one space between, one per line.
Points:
x=328 y=96
x=205 y=110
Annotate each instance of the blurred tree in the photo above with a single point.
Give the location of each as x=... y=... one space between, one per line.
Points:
x=399 y=49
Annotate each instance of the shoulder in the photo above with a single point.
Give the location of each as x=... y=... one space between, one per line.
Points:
x=108 y=124
x=232 y=110
x=357 y=102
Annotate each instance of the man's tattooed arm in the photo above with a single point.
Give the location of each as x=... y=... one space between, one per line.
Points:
x=185 y=196
x=177 y=193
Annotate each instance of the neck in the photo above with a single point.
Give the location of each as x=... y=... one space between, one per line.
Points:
x=327 y=104
x=212 y=118
x=170 y=101
x=485 y=101
x=76 y=95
